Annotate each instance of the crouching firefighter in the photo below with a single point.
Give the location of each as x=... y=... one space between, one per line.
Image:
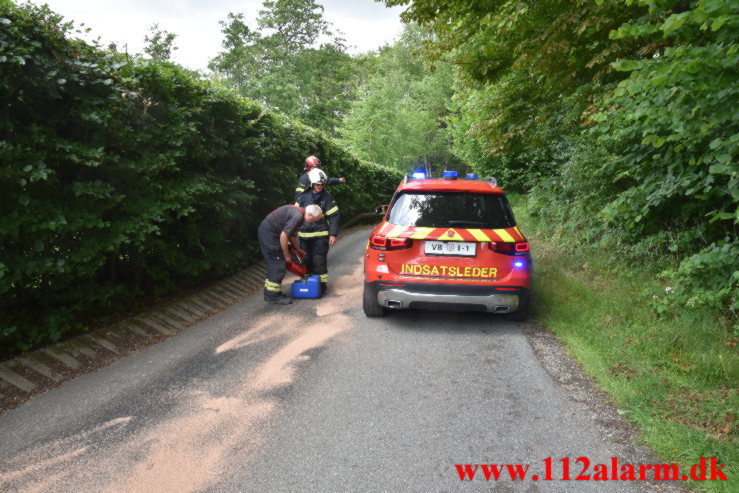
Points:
x=311 y=163
x=317 y=237
x=276 y=234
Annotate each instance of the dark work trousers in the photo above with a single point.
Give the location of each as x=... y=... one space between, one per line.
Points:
x=317 y=258
x=269 y=243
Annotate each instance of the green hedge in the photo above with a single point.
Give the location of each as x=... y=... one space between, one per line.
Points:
x=123 y=179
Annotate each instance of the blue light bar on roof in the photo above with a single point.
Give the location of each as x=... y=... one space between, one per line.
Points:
x=419 y=175
x=450 y=174
x=472 y=176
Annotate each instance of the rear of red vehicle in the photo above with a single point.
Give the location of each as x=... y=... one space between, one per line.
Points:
x=450 y=244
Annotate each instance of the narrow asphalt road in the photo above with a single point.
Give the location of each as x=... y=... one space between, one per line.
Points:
x=309 y=397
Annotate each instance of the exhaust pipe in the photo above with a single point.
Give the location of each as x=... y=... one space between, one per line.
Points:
x=394 y=304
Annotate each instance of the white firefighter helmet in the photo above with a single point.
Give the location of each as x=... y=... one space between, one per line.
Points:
x=317 y=177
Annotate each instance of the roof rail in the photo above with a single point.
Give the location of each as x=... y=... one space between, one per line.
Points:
x=492 y=181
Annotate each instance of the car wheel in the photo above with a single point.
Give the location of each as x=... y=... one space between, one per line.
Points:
x=369 y=301
x=521 y=314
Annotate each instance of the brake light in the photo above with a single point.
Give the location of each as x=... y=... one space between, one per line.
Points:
x=383 y=243
x=509 y=248
x=378 y=242
x=501 y=247
x=399 y=243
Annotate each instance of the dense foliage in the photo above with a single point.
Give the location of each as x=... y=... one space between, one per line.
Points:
x=280 y=64
x=399 y=116
x=122 y=178
x=620 y=116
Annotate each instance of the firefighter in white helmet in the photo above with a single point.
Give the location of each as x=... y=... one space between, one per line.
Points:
x=316 y=238
x=311 y=163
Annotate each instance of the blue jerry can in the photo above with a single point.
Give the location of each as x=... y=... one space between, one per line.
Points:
x=310 y=288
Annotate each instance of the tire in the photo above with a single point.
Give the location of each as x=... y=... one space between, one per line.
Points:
x=369 y=301
x=521 y=314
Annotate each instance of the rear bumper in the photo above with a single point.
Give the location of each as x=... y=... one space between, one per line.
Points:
x=451 y=296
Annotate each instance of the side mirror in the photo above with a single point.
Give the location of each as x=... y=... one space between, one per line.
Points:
x=381 y=210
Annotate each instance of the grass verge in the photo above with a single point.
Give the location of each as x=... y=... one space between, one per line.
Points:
x=673 y=375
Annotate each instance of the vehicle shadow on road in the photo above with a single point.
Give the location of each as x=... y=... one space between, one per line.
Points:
x=450 y=322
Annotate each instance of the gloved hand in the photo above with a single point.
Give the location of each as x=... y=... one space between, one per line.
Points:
x=300 y=252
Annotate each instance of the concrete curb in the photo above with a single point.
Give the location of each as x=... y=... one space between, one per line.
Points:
x=32 y=373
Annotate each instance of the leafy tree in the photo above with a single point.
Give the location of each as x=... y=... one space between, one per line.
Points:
x=280 y=65
x=400 y=116
x=523 y=57
x=160 y=43
x=296 y=25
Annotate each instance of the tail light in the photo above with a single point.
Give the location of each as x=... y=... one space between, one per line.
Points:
x=384 y=243
x=509 y=248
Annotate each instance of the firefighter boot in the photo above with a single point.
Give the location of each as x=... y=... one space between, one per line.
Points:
x=279 y=300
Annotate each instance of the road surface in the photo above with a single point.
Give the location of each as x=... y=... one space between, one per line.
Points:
x=309 y=397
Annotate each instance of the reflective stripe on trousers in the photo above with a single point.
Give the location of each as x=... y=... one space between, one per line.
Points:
x=315 y=234
x=269 y=243
x=274 y=287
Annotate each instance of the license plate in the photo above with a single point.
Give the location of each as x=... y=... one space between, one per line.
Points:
x=458 y=248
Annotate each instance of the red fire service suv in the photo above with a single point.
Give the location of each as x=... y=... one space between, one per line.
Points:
x=447 y=243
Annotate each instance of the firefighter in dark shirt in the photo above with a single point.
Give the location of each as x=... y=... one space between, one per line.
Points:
x=304 y=184
x=276 y=233
x=316 y=238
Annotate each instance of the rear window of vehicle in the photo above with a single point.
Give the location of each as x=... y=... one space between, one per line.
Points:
x=452 y=209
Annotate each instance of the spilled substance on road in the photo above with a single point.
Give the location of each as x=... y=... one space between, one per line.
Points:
x=52 y=462
x=194 y=447
x=269 y=327
x=348 y=294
